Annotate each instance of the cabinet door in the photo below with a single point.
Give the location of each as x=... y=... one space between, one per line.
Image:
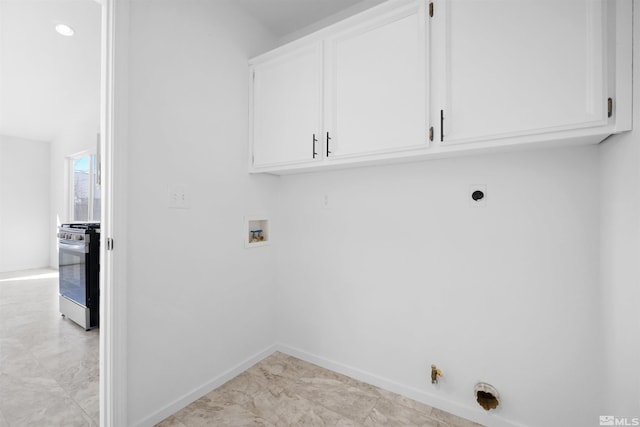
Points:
x=514 y=68
x=287 y=107
x=376 y=91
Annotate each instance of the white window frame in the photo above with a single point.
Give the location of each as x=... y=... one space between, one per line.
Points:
x=71 y=183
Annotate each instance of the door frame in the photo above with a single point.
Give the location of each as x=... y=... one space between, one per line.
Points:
x=113 y=129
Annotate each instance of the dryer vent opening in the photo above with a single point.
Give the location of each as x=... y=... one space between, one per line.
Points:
x=487 y=396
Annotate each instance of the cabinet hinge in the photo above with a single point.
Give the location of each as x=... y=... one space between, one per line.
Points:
x=109 y=244
x=431 y=133
x=609 y=107
x=431 y=9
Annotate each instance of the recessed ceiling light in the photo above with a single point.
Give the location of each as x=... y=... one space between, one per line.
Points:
x=65 y=30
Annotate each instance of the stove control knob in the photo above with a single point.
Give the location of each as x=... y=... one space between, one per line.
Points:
x=78 y=237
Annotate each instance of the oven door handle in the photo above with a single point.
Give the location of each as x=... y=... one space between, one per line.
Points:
x=77 y=248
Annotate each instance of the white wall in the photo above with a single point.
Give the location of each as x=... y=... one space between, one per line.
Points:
x=51 y=89
x=199 y=303
x=24 y=204
x=401 y=272
x=620 y=249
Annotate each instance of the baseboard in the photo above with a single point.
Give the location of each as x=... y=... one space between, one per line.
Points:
x=456 y=408
x=202 y=390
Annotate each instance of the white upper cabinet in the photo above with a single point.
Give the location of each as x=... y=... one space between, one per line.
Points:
x=525 y=67
x=376 y=84
x=417 y=79
x=287 y=107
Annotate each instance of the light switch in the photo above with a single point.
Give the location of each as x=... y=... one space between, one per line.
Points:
x=324 y=201
x=178 y=197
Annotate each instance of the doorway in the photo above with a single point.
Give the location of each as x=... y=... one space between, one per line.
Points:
x=43 y=75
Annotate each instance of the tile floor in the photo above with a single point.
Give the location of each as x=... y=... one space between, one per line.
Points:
x=284 y=391
x=48 y=364
x=49 y=377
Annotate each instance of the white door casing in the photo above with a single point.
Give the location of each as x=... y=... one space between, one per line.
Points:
x=113 y=129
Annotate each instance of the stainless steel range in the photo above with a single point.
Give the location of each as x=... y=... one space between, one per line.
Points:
x=79 y=270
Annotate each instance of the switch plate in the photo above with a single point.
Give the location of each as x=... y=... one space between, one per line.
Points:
x=178 y=197
x=324 y=201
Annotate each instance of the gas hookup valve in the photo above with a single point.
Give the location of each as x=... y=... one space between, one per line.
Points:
x=435 y=373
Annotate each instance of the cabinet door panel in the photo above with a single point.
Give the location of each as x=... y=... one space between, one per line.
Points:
x=287 y=107
x=376 y=85
x=522 y=67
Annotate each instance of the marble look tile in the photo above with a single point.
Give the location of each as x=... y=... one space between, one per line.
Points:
x=3 y=421
x=281 y=365
x=283 y=391
x=171 y=422
x=336 y=395
x=24 y=325
x=348 y=423
x=243 y=389
x=11 y=349
x=24 y=369
x=50 y=350
x=58 y=412
x=208 y=412
x=279 y=405
x=87 y=396
x=72 y=371
x=310 y=414
x=315 y=371
x=261 y=396
x=398 y=399
x=48 y=365
x=452 y=420
x=59 y=335
x=38 y=400
x=388 y=413
x=307 y=372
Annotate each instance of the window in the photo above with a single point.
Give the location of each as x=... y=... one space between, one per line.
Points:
x=84 y=191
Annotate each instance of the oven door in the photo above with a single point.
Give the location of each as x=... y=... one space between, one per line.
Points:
x=73 y=271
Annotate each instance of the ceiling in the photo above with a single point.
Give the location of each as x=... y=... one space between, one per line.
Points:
x=283 y=17
x=49 y=83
